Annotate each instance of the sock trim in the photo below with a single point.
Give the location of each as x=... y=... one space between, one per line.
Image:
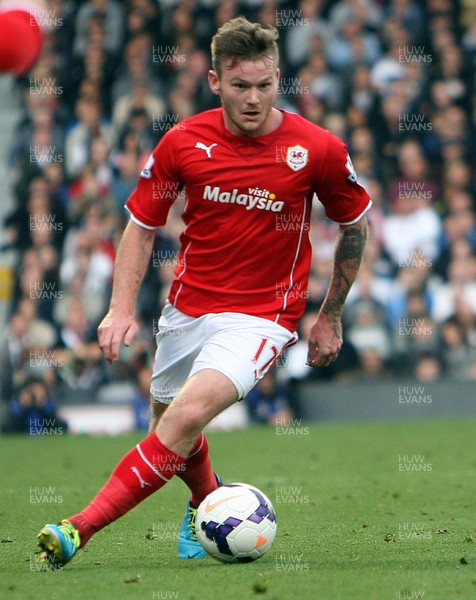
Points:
x=147 y=462
x=199 y=448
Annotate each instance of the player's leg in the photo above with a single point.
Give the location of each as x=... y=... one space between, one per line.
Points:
x=152 y=463
x=197 y=470
x=157 y=409
x=129 y=484
x=203 y=396
x=244 y=355
x=241 y=348
x=226 y=368
x=179 y=341
x=145 y=469
x=200 y=478
x=197 y=473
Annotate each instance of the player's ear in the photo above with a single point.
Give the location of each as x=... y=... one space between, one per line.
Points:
x=213 y=81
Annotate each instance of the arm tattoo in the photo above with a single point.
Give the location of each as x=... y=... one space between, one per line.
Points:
x=348 y=256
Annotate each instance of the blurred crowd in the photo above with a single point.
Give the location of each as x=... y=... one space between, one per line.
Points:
x=394 y=78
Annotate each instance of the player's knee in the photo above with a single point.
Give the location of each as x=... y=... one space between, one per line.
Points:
x=186 y=420
x=194 y=419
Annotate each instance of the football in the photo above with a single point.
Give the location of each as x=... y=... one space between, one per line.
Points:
x=236 y=523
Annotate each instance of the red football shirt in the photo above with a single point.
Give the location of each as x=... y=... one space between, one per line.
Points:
x=245 y=247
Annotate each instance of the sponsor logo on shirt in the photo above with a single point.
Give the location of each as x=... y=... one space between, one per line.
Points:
x=146 y=172
x=208 y=149
x=350 y=167
x=252 y=198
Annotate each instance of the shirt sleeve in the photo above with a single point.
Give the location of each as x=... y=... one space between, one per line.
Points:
x=158 y=185
x=344 y=199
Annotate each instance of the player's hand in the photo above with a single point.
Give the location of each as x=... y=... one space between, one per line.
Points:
x=116 y=329
x=325 y=340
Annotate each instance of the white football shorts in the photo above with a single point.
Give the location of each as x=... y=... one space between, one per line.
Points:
x=240 y=346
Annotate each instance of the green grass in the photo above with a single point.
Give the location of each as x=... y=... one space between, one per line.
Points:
x=351 y=525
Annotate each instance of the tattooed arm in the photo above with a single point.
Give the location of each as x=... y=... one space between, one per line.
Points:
x=325 y=339
x=120 y=325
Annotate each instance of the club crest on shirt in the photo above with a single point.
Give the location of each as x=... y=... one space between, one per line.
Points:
x=297 y=157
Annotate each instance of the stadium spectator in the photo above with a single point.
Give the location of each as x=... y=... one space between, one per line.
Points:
x=325 y=86
x=140 y=401
x=138 y=65
x=459 y=289
x=268 y=402
x=125 y=178
x=409 y=15
x=352 y=45
x=367 y=331
x=458 y=356
x=33 y=411
x=301 y=42
x=373 y=367
x=421 y=68
x=428 y=368
x=90 y=123
x=99 y=21
x=413 y=224
x=140 y=97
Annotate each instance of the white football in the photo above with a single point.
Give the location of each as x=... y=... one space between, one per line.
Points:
x=236 y=523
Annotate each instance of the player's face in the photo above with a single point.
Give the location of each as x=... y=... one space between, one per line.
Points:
x=248 y=93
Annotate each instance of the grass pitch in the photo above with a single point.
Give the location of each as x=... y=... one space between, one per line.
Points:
x=365 y=511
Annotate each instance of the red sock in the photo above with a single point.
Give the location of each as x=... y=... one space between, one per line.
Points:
x=144 y=470
x=197 y=471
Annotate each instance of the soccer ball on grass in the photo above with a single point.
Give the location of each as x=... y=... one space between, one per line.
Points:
x=236 y=523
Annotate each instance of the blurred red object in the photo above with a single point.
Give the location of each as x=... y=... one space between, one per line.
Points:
x=21 y=41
